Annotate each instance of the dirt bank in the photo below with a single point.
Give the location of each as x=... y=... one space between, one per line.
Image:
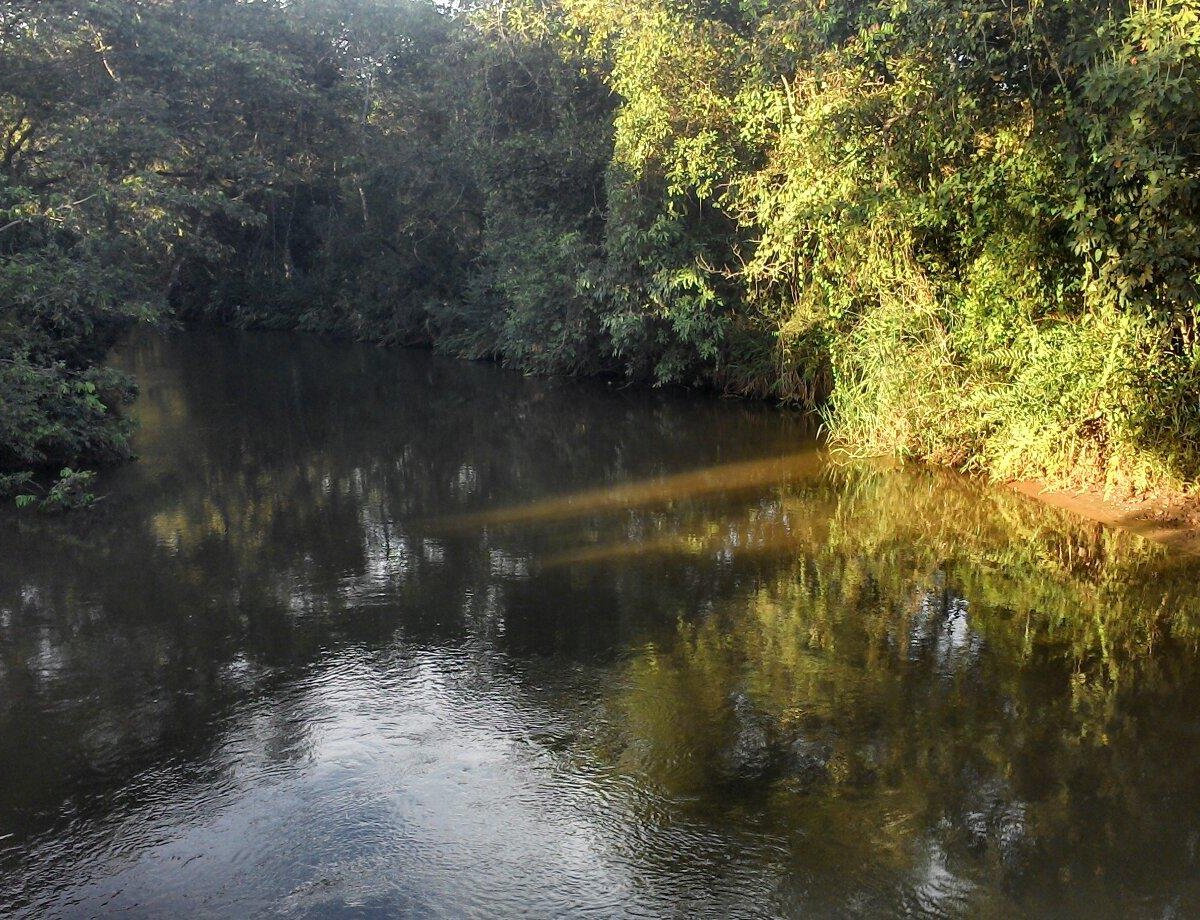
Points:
x=1173 y=521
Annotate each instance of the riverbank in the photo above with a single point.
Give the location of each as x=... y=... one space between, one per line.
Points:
x=1170 y=520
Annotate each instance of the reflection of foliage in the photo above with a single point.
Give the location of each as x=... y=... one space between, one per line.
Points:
x=922 y=654
x=1105 y=595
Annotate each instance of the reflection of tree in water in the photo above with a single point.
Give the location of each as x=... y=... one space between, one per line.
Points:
x=924 y=670
x=891 y=675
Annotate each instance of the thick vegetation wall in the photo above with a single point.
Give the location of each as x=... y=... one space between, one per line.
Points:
x=968 y=232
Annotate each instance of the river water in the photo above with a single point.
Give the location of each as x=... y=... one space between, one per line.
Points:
x=372 y=633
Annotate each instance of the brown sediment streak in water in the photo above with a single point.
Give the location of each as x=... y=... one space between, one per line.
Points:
x=753 y=539
x=728 y=477
x=631 y=549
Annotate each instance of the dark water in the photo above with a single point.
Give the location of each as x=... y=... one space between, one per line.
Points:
x=378 y=634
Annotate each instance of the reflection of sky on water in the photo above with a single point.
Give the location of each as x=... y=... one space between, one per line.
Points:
x=420 y=779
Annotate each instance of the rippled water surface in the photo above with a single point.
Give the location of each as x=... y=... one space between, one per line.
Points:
x=379 y=634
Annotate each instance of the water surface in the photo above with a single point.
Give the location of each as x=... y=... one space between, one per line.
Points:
x=372 y=633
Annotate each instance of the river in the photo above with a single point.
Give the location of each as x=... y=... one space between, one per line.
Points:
x=373 y=634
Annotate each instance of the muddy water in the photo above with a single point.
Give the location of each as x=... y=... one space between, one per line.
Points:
x=378 y=634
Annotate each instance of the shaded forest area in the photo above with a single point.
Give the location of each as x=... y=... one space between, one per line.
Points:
x=966 y=232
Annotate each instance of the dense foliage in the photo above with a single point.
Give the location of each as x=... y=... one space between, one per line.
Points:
x=968 y=231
